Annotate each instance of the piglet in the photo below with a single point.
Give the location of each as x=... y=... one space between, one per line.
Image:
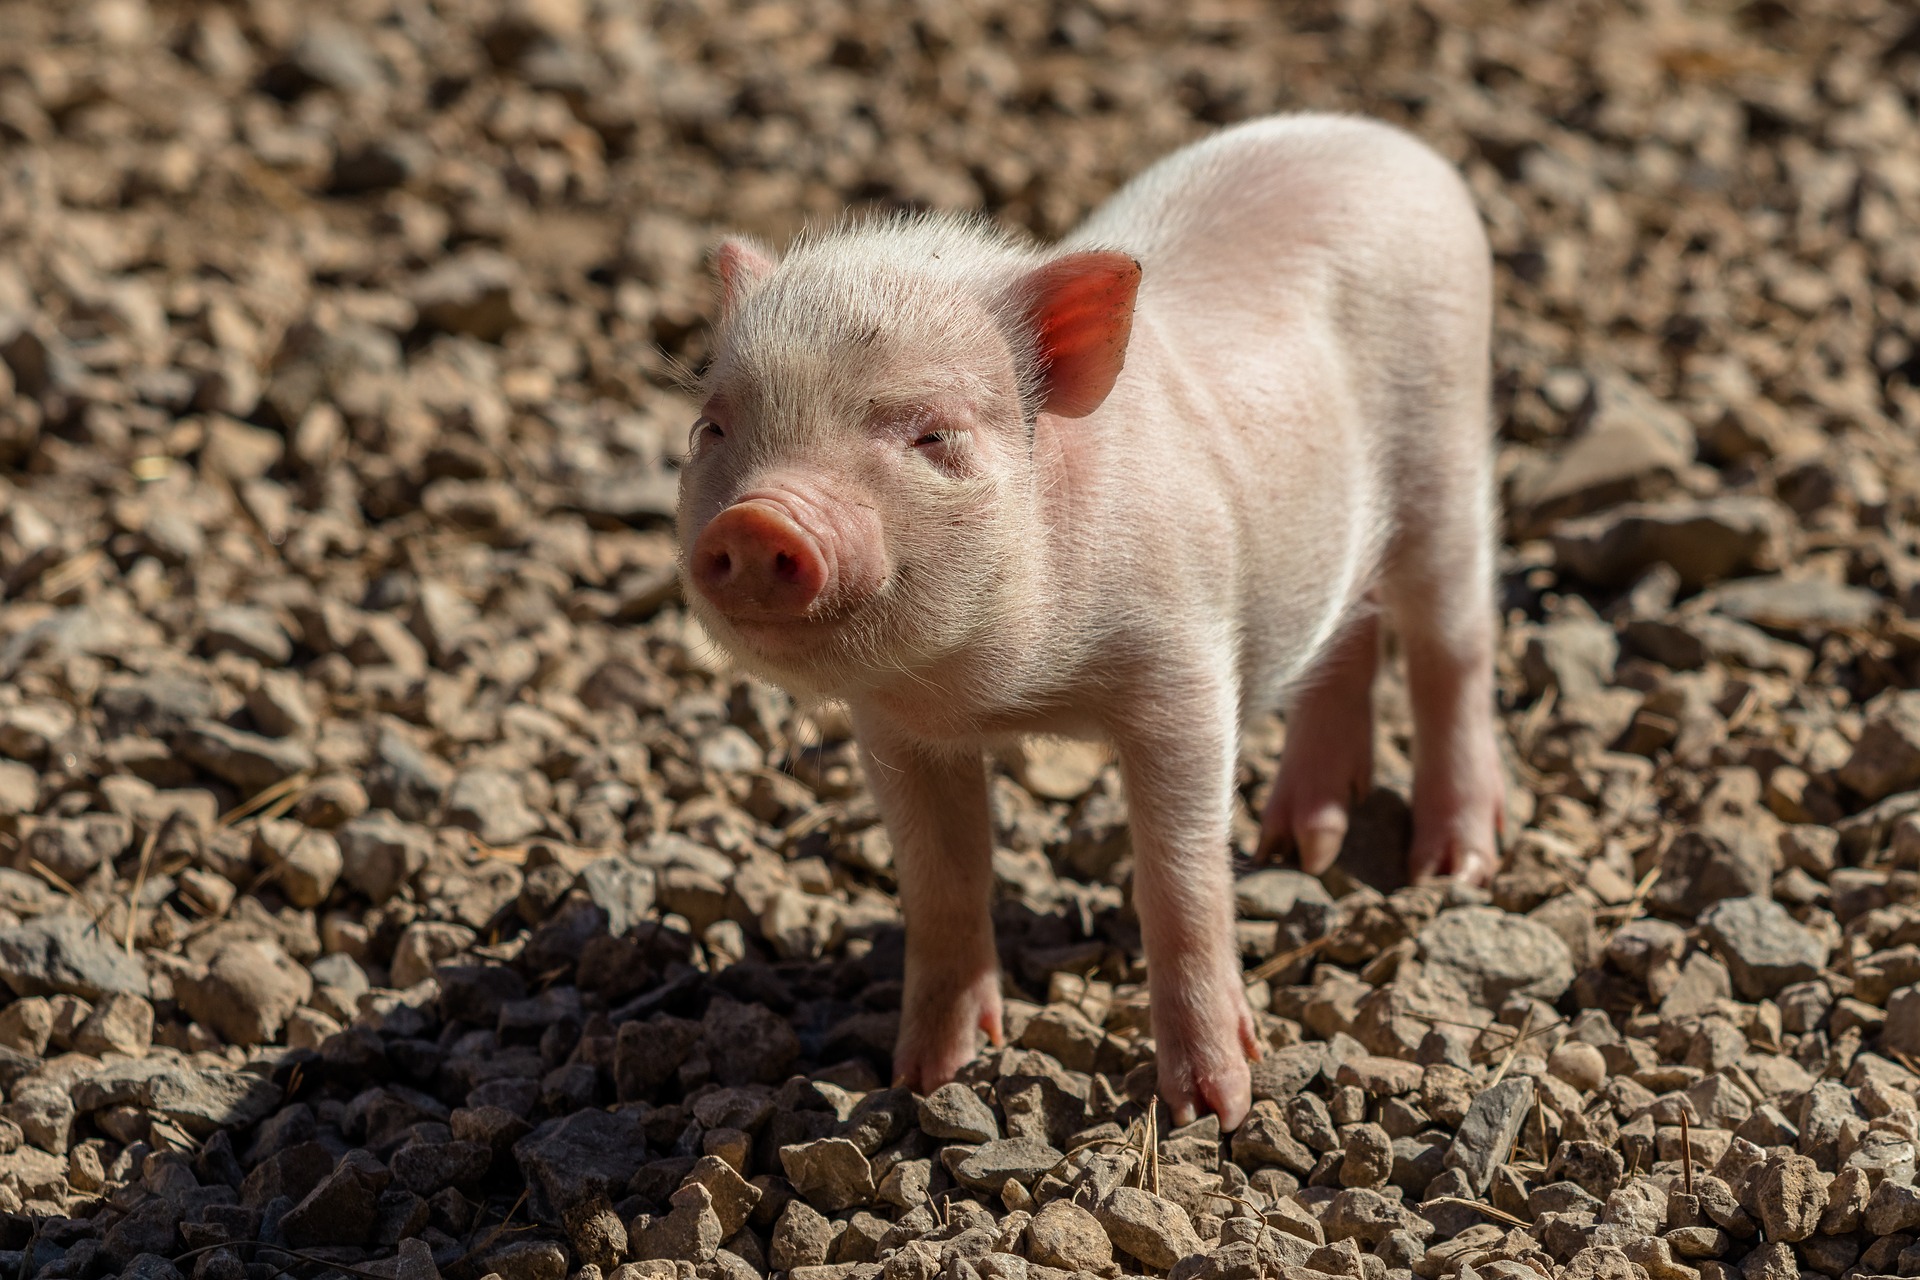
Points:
x=1136 y=486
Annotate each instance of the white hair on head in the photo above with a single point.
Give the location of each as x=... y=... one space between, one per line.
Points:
x=898 y=272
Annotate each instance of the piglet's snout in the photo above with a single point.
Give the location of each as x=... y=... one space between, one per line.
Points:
x=755 y=560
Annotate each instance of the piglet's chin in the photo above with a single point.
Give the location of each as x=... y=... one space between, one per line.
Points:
x=798 y=654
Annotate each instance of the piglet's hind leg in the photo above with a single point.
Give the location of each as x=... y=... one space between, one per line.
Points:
x=1328 y=757
x=1439 y=589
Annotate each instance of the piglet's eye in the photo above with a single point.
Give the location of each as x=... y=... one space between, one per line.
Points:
x=933 y=438
x=705 y=431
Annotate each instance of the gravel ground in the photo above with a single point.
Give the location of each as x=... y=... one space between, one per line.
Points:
x=397 y=884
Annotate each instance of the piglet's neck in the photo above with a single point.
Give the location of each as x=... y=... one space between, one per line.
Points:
x=1081 y=476
x=1015 y=672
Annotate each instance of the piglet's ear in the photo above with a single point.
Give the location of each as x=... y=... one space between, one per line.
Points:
x=1081 y=310
x=741 y=264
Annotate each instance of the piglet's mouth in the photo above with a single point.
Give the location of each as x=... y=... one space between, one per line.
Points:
x=776 y=632
x=794 y=648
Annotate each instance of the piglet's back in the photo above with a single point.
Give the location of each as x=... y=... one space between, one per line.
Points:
x=1286 y=194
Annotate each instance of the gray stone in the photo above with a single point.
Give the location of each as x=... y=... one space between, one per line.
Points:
x=280 y=707
x=487 y=507
x=1901 y=1034
x=647 y=1054
x=1265 y=1138
x=1891 y=1208
x=1579 y=1064
x=1704 y=864
x=621 y=888
x=248 y=630
x=309 y=868
x=247 y=992
x=1281 y=1073
x=1784 y=604
x=1368 y=1157
x=66 y=955
x=631 y=496
x=333 y=54
x=570 y=1160
x=379 y=853
x=829 y=1173
x=994 y=1164
x=526 y=1260
x=174 y=537
x=44 y=1112
x=1787 y=1194
x=1568 y=1196
x=28 y=731
x=414 y=1261
x=1628 y=446
x=690 y=1232
x=1764 y=948
x=598 y=1236
x=1573 y=654
x=138 y=1237
x=802 y=1236
x=1158 y=1232
x=380 y=164
x=954 y=1113
x=424 y=1167
x=249 y=761
x=1066 y=1236
x=160 y=704
x=26 y=1024
x=731 y=1195
x=1704 y=539
x=1886 y=759
x=198 y=1099
x=1065 y=1034
x=1689 y=642
x=121 y=1023
x=343 y=1209
x=1486 y=1136
x=73 y=848
x=19 y=788
x=880 y=1119
x=149 y=1266
x=1271 y=892
x=423 y=945
x=1367 y=1216
x=1827 y=1110
x=474 y=293
x=747 y=1043
x=1704 y=983
x=1489 y=955
x=492 y=804
x=237 y=451
x=107 y=627
x=411 y=782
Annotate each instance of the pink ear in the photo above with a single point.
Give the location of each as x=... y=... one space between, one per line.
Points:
x=1081 y=308
x=740 y=264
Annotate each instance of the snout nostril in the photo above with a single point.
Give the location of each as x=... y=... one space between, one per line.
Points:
x=754 y=558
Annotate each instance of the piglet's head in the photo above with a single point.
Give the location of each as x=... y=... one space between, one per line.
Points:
x=859 y=497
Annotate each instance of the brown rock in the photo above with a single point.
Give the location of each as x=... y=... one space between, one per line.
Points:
x=246 y=993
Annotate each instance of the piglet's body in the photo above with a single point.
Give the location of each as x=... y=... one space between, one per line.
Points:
x=1135 y=486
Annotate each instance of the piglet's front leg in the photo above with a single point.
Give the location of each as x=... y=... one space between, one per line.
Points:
x=934 y=802
x=1179 y=780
